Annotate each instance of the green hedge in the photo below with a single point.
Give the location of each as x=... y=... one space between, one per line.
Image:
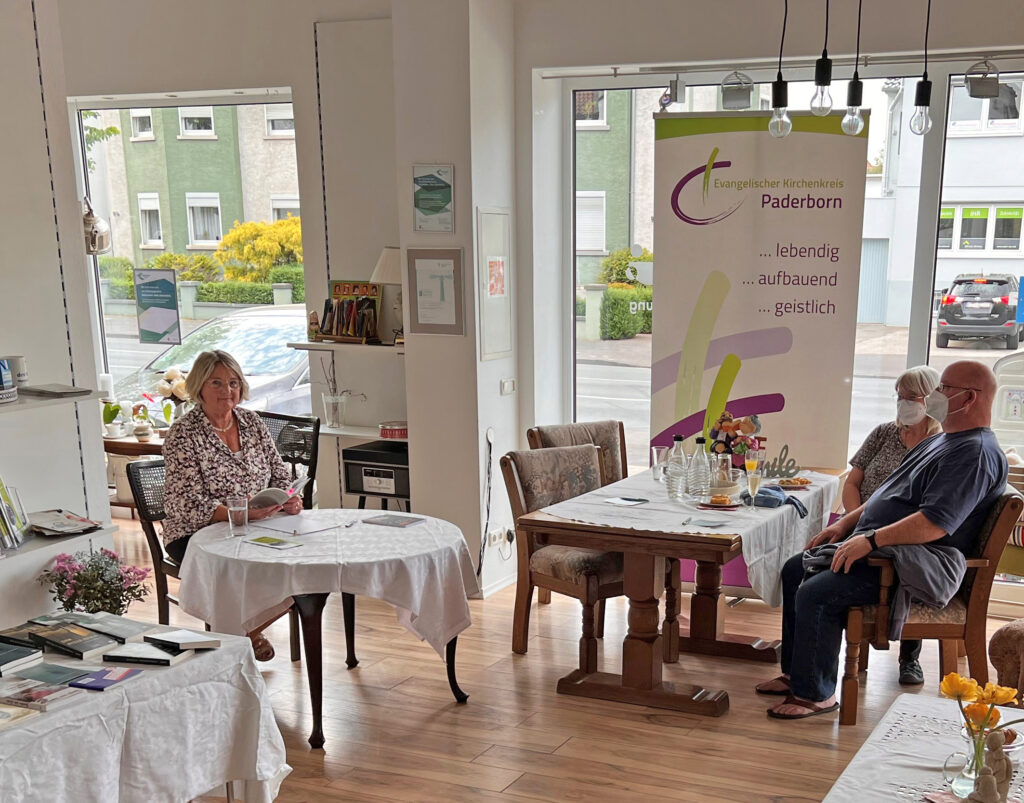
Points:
x=235 y=293
x=293 y=275
x=624 y=312
x=121 y=288
x=615 y=267
x=581 y=306
x=115 y=267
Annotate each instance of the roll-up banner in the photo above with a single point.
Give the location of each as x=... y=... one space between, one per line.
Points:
x=757 y=245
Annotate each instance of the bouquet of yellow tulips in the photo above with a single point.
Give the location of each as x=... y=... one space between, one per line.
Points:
x=979 y=713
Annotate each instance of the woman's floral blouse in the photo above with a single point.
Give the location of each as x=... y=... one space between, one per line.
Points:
x=202 y=472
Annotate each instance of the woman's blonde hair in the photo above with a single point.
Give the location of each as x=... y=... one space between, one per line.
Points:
x=919 y=381
x=204 y=365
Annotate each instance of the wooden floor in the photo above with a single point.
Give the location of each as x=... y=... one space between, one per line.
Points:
x=395 y=733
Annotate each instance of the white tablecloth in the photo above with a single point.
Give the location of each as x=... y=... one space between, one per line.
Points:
x=770 y=535
x=170 y=734
x=424 y=570
x=902 y=758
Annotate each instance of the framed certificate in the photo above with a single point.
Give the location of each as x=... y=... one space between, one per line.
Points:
x=435 y=284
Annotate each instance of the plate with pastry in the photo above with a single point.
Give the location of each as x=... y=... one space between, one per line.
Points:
x=794 y=483
x=719 y=502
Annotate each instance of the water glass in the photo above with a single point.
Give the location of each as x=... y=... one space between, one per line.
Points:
x=238 y=514
x=659 y=457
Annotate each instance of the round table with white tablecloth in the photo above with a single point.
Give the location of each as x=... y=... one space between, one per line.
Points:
x=423 y=569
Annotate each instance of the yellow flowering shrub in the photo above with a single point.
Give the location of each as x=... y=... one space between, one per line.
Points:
x=251 y=249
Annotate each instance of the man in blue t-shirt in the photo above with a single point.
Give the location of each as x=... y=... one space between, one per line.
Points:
x=940 y=493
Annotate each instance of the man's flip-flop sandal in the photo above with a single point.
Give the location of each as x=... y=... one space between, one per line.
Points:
x=813 y=709
x=776 y=692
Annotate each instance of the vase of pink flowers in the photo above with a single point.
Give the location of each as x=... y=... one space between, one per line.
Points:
x=95 y=581
x=740 y=446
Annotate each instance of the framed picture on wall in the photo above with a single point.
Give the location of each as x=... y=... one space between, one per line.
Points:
x=433 y=198
x=435 y=285
x=494 y=256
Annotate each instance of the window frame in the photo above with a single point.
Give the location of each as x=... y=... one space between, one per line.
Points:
x=273 y=111
x=603 y=250
x=983 y=127
x=600 y=124
x=284 y=202
x=136 y=136
x=183 y=133
x=203 y=200
x=150 y=202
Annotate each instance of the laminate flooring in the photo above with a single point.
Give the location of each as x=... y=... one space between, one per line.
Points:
x=394 y=732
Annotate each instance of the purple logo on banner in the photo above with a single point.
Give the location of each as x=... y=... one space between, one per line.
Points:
x=706 y=171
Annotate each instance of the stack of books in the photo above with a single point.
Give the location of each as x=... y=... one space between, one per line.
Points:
x=35 y=695
x=13 y=658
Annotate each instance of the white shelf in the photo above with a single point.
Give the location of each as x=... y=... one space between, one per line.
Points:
x=327 y=345
x=31 y=402
x=370 y=433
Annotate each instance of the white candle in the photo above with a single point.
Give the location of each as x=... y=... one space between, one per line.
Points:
x=107 y=386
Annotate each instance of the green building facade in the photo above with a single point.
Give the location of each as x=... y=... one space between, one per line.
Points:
x=190 y=174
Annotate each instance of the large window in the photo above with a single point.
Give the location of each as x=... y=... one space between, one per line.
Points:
x=149 y=221
x=196 y=122
x=203 y=219
x=590 y=222
x=142 y=124
x=280 y=120
x=986 y=116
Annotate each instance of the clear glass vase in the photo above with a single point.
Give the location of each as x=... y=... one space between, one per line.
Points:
x=334 y=409
x=961 y=770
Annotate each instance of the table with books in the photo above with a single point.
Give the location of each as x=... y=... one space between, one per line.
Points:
x=418 y=564
x=143 y=714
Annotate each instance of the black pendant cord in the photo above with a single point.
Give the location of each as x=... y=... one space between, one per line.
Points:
x=824 y=49
x=927 y=25
x=782 y=41
x=856 y=63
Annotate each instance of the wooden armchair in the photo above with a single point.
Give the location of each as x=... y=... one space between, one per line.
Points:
x=962 y=620
x=536 y=479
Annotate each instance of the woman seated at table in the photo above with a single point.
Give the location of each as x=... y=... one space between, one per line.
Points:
x=880 y=454
x=215 y=451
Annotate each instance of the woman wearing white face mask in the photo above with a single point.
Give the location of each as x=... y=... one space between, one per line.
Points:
x=882 y=451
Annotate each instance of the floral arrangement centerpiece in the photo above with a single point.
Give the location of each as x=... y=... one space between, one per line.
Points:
x=172 y=389
x=95 y=581
x=978 y=708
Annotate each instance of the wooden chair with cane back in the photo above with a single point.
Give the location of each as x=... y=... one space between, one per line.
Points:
x=534 y=480
x=962 y=620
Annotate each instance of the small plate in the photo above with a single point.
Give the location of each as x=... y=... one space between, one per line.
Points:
x=115 y=437
x=1013 y=746
x=710 y=506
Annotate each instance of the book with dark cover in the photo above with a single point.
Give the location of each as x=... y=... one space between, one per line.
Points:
x=53 y=673
x=20 y=636
x=61 y=618
x=13 y=657
x=117 y=627
x=183 y=640
x=103 y=678
x=149 y=654
x=35 y=695
x=73 y=640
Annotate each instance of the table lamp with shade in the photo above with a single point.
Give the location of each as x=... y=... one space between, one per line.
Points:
x=388 y=270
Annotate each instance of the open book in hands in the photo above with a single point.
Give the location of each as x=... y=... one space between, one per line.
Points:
x=269 y=497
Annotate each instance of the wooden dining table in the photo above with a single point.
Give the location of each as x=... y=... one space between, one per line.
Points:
x=647 y=646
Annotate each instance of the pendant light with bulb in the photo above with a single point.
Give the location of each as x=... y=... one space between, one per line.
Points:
x=921 y=122
x=853 y=120
x=780 y=125
x=821 y=102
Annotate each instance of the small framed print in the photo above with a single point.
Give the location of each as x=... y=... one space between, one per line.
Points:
x=433 y=198
x=494 y=256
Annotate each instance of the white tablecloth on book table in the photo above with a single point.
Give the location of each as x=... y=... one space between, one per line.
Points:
x=168 y=734
x=424 y=570
x=770 y=535
x=902 y=758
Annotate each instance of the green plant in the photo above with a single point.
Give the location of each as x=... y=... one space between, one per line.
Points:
x=581 y=306
x=115 y=267
x=616 y=268
x=618 y=320
x=644 y=296
x=111 y=410
x=251 y=249
x=295 y=275
x=168 y=411
x=236 y=293
x=121 y=288
x=94 y=135
x=95 y=581
x=189 y=267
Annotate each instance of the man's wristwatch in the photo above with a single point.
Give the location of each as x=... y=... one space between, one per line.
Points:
x=870 y=535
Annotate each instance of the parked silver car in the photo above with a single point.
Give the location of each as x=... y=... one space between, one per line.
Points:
x=278 y=376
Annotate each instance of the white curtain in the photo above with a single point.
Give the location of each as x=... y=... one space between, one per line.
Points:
x=205 y=223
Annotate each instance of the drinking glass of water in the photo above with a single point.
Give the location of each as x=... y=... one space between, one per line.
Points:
x=238 y=514
x=659 y=457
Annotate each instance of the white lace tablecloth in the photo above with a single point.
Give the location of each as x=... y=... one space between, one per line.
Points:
x=169 y=734
x=902 y=758
x=770 y=535
x=424 y=570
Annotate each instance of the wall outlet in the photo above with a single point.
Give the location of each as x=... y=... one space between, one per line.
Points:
x=495 y=537
x=508 y=387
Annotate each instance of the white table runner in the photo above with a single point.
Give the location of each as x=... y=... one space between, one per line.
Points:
x=770 y=535
x=170 y=734
x=424 y=570
x=902 y=758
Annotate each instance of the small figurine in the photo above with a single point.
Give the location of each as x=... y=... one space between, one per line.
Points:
x=985 y=789
x=997 y=760
x=720 y=436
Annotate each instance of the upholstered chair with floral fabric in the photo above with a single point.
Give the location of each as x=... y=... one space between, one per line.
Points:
x=534 y=480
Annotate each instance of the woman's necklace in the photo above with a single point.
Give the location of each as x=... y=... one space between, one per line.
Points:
x=231 y=423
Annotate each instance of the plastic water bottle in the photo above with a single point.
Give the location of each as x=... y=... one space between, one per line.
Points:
x=675 y=469
x=699 y=480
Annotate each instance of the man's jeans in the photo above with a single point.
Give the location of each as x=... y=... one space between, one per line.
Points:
x=813 y=618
